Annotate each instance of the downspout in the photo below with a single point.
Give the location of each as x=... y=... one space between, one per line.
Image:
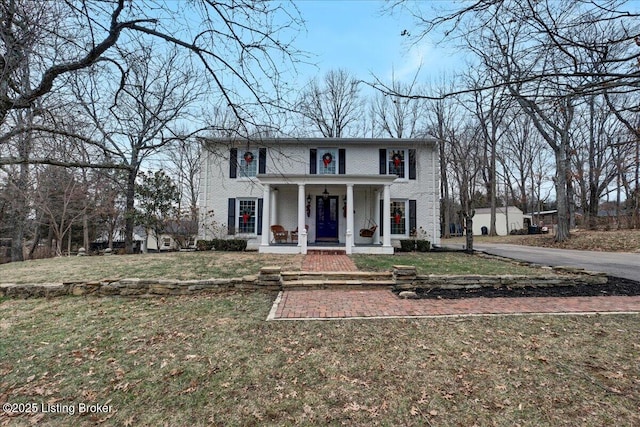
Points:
x=436 y=194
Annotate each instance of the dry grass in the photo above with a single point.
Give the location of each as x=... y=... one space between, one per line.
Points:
x=174 y=265
x=607 y=241
x=215 y=361
x=204 y=265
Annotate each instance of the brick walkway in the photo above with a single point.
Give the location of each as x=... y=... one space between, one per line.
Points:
x=322 y=262
x=340 y=304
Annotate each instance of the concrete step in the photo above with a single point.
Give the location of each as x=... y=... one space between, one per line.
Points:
x=326 y=252
x=336 y=275
x=336 y=284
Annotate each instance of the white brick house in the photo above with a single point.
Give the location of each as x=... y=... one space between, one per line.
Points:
x=334 y=188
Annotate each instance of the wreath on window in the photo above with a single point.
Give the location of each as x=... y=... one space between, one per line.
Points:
x=327 y=158
x=248 y=157
x=397 y=159
x=397 y=216
x=245 y=217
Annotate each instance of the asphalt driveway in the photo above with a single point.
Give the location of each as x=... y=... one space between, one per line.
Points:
x=618 y=264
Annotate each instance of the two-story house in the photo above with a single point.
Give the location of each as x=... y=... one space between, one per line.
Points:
x=285 y=195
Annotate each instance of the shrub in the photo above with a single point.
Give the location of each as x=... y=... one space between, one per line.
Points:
x=407 y=245
x=235 y=245
x=423 y=245
x=204 y=245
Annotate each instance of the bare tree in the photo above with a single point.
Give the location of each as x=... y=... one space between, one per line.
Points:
x=547 y=55
x=399 y=117
x=331 y=105
x=153 y=97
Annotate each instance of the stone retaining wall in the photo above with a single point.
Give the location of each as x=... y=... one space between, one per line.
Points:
x=270 y=279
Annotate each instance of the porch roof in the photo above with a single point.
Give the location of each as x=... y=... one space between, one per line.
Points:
x=326 y=179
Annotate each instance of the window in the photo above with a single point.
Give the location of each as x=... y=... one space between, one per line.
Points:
x=246 y=219
x=166 y=242
x=327 y=161
x=398 y=217
x=396 y=160
x=247 y=163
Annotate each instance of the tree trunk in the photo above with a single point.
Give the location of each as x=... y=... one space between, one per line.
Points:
x=18 y=217
x=129 y=213
x=562 y=228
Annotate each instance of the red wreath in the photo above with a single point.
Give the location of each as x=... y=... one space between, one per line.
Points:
x=397 y=216
x=248 y=157
x=397 y=159
x=245 y=217
x=327 y=159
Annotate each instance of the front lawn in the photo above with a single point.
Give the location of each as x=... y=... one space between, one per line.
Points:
x=442 y=263
x=214 y=360
x=173 y=265
x=211 y=264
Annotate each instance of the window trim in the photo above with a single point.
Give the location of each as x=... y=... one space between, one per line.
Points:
x=254 y=216
x=240 y=170
x=336 y=160
x=405 y=217
x=405 y=162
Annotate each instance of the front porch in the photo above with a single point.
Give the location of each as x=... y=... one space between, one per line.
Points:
x=326 y=213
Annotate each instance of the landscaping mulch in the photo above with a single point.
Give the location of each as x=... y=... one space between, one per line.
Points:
x=615 y=286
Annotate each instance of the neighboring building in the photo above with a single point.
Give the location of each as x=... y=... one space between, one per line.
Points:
x=336 y=188
x=507 y=219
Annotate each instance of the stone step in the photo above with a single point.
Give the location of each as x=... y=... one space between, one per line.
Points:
x=326 y=252
x=336 y=284
x=336 y=275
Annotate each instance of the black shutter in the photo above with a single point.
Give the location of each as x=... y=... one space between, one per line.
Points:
x=233 y=163
x=262 y=160
x=260 y=204
x=412 y=215
x=382 y=218
x=231 y=217
x=342 y=157
x=412 y=163
x=383 y=161
x=313 y=161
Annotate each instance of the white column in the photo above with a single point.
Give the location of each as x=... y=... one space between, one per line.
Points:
x=266 y=215
x=301 y=214
x=376 y=217
x=349 y=233
x=386 y=215
x=273 y=215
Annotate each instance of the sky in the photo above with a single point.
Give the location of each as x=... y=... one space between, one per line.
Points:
x=357 y=36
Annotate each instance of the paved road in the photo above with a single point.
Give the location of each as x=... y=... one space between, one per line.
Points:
x=618 y=264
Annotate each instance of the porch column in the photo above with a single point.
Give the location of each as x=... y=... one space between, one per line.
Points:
x=302 y=230
x=274 y=206
x=386 y=215
x=266 y=215
x=376 y=217
x=349 y=232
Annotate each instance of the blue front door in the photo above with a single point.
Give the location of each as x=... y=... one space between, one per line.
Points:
x=327 y=219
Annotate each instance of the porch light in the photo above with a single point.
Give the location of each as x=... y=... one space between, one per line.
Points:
x=325 y=193
x=308 y=199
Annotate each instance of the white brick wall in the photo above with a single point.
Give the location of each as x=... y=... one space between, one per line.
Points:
x=292 y=158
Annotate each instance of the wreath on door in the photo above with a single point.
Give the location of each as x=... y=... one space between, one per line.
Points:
x=327 y=158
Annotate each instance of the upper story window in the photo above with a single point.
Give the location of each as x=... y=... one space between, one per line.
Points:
x=247 y=163
x=327 y=160
x=398 y=161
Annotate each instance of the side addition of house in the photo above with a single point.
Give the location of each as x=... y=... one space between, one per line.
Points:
x=285 y=195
